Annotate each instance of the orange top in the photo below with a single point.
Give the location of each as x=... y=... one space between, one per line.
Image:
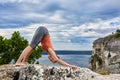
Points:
x=46 y=43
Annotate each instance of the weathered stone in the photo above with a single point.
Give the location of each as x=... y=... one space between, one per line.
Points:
x=106 y=54
x=43 y=72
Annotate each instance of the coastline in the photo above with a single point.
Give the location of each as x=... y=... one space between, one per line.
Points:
x=68 y=52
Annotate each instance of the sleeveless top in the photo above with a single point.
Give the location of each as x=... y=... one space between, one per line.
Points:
x=46 y=43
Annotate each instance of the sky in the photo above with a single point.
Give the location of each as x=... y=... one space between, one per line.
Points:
x=73 y=24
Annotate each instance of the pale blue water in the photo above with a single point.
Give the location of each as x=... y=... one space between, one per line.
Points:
x=80 y=60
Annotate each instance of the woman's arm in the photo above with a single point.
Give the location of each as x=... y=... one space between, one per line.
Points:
x=59 y=61
x=53 y=57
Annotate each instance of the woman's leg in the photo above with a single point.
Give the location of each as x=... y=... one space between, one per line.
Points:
x=28 y=50
x=24 y=56
x=39 y=34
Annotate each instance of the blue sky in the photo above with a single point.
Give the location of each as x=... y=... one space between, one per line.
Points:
x=73 y=24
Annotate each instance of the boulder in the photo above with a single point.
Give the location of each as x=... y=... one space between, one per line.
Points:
x=45 y=72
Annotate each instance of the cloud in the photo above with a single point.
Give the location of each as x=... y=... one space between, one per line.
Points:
x=72 y=24
x=18 y=13
x=67 y=36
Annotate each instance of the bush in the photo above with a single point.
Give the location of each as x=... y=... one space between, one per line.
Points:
x=103 y=72
x=10 y=49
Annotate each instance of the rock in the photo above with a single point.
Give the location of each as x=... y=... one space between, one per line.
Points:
x=106 y=54
x=44 y=72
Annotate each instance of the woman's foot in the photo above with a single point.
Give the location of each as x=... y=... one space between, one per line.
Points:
x=22 y=64
x=25 y=63
x=73 y=67
x=19 y=64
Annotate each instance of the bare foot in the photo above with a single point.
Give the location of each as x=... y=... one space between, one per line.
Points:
x=17 y=64
x=20 y=64
x=74 y=67
x=25 y=63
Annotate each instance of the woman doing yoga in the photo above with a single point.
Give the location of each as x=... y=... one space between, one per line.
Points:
x=42 y=36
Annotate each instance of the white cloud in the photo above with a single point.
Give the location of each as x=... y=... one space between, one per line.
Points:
x=61 y=34
x=92 y=29
x=57 y=18
x=66 y=19
x=20 y=1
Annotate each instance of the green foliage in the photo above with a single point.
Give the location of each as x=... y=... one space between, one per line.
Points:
x=118 y=30
x=115 y=35
x=95 y=58
x=114 y=63
x=10 y=49
x=103 y=72
x=118 y=62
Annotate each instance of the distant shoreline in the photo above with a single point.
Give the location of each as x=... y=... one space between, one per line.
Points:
x=71 y=52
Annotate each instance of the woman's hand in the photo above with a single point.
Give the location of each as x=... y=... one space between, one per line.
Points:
x=73 y=67
x=54 y=58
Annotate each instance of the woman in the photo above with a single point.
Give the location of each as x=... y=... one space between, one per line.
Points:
x=42 y=36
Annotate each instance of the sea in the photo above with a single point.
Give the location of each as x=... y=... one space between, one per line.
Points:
x=78 y=58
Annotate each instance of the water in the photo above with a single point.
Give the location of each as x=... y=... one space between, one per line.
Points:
x=79 y=58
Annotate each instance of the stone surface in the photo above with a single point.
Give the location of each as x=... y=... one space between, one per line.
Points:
x=106 y=55
x=43 y=72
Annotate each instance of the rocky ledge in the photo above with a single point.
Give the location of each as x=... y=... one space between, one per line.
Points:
x=44 y=72
x=106 y=54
